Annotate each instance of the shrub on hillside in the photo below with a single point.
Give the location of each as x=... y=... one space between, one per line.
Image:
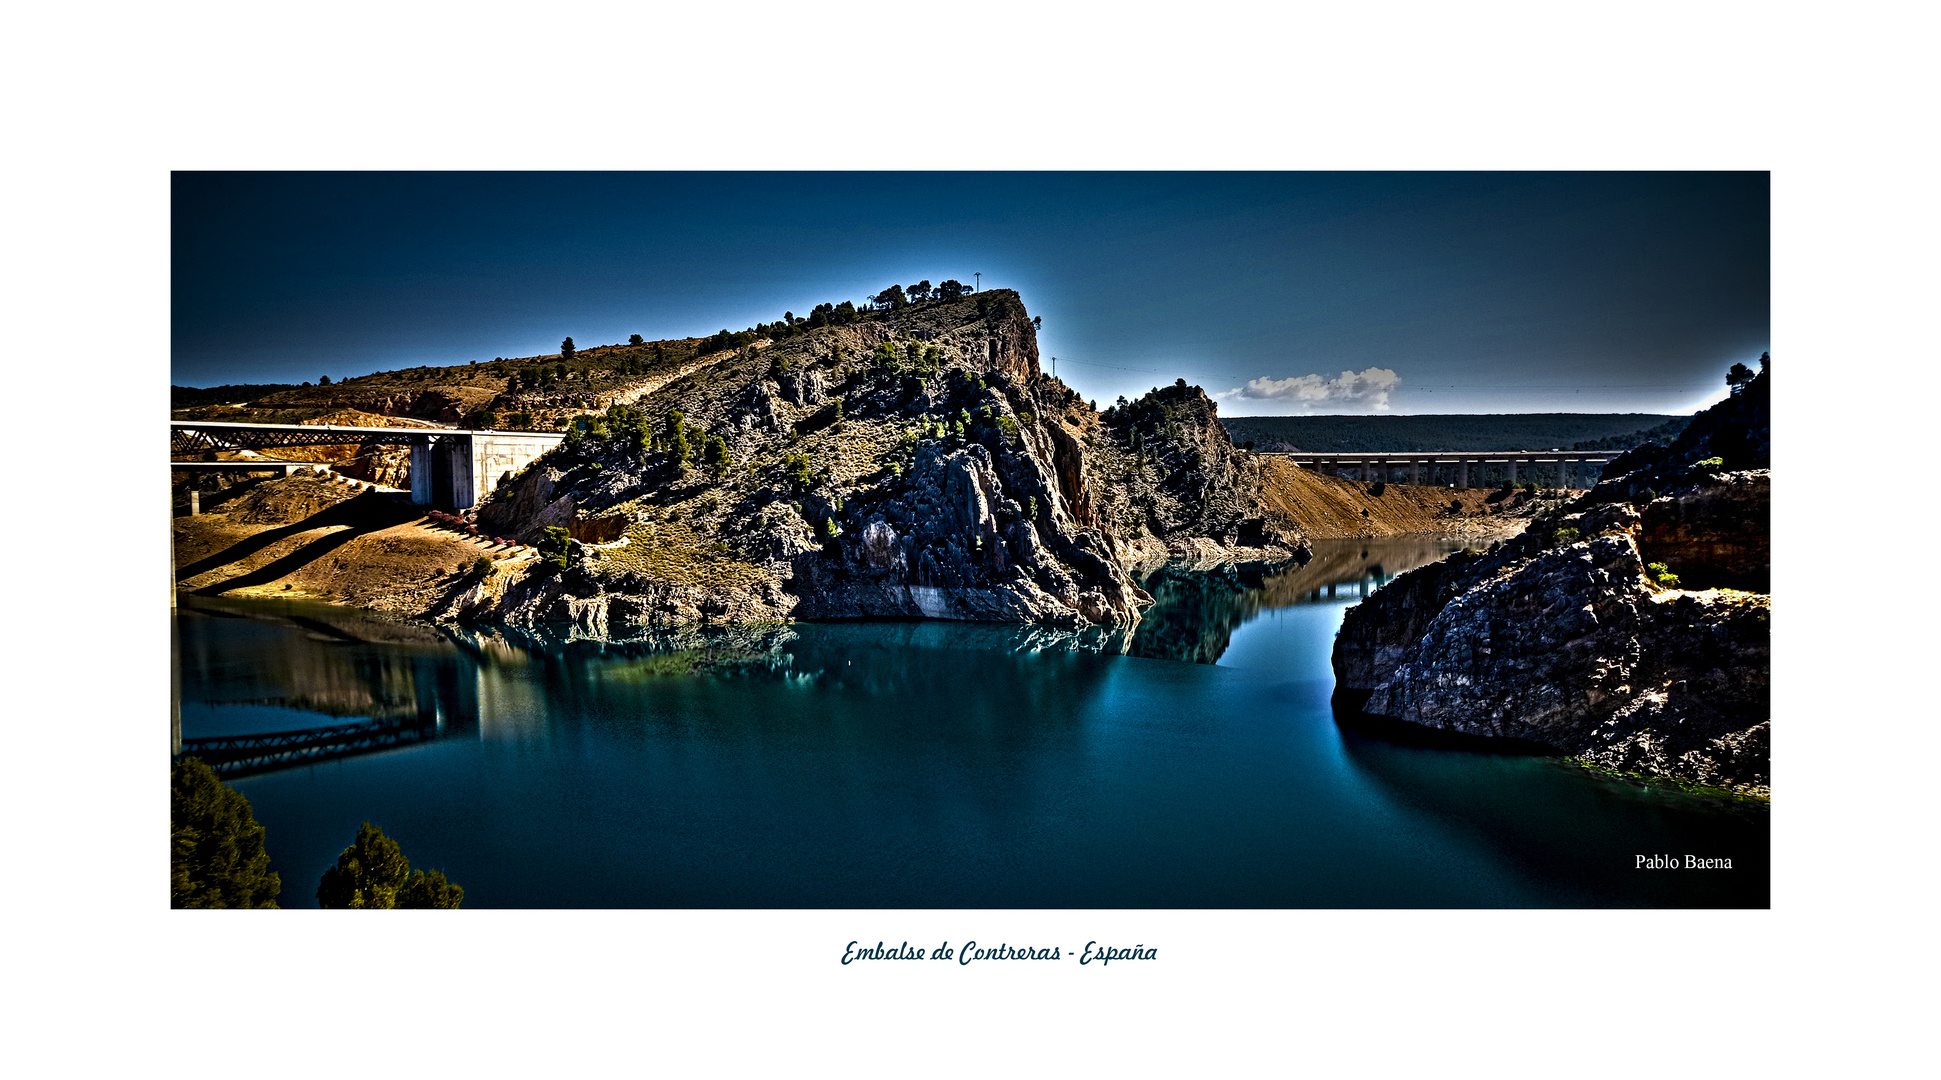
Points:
x=554 y=547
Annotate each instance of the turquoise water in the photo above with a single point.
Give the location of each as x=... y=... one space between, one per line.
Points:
x=925 y=764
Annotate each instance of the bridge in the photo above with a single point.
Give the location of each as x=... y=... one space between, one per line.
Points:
x=241 y=755
x=450 y=467
x=1454 y=465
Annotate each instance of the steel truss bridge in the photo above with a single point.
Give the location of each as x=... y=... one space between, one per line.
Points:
x=450 y=467
x=199 y=437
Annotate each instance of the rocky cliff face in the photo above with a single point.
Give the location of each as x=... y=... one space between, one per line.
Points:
x=1630 y=629
x=1177 y=487
x=915 y=464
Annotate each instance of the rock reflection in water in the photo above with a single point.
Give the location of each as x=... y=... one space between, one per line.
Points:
x=1196 y=608
x=256 y=669
x=532 y=680
x=368 y=666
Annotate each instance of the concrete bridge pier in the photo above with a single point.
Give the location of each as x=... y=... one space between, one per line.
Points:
x=1415 y=471
x=1462 y=474
x=1512 y=472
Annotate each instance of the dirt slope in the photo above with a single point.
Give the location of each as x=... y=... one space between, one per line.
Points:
x=1327 y=507
x=305 y=537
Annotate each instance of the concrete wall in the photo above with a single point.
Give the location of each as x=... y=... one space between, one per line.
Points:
x=455 y=471
x=501 y=453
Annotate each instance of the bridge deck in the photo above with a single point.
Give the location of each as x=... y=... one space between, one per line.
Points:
x=188 y=436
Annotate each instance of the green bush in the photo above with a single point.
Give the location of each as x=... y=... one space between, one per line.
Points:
x=555 y=547
x=1566 y=535
x=1662 y=574
x=481 y=566
x=714 y=453
x=796 y=467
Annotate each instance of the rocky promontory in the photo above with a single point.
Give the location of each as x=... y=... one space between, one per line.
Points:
x=913 y=462
x=1630 y=628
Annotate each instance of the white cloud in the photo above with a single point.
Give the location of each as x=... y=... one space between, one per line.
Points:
x=1371 y=386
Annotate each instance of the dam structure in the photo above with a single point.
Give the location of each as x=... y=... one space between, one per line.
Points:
x=451 y=468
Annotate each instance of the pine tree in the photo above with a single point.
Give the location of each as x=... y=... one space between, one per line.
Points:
x=216 y=856
x=677 y=444
x=374 y=873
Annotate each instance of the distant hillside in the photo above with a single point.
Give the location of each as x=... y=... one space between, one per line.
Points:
x=188 y=397
x=537 y=392
x=1455 y=431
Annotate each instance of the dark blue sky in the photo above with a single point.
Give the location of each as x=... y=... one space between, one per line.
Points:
x=1468 y=292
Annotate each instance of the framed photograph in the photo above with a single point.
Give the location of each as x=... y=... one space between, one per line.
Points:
x=1239 y=540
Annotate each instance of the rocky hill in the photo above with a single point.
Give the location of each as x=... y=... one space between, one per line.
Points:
x=912 y=462
x=533 y=392
x=1629 y=628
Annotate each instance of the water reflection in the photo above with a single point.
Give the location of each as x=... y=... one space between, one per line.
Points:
x=917 y=764
x=271 y=684
x=266 y=684
x=1583 y=849
x=1197 y=608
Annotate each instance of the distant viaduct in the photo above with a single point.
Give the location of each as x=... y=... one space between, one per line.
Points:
x=1453 y=466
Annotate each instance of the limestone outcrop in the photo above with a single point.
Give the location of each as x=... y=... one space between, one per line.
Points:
x=917 y=464
x=1630 y=629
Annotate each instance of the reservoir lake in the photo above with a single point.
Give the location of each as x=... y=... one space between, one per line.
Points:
x=1196 y=763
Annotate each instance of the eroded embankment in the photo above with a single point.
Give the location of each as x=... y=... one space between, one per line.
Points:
x=313 y=537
